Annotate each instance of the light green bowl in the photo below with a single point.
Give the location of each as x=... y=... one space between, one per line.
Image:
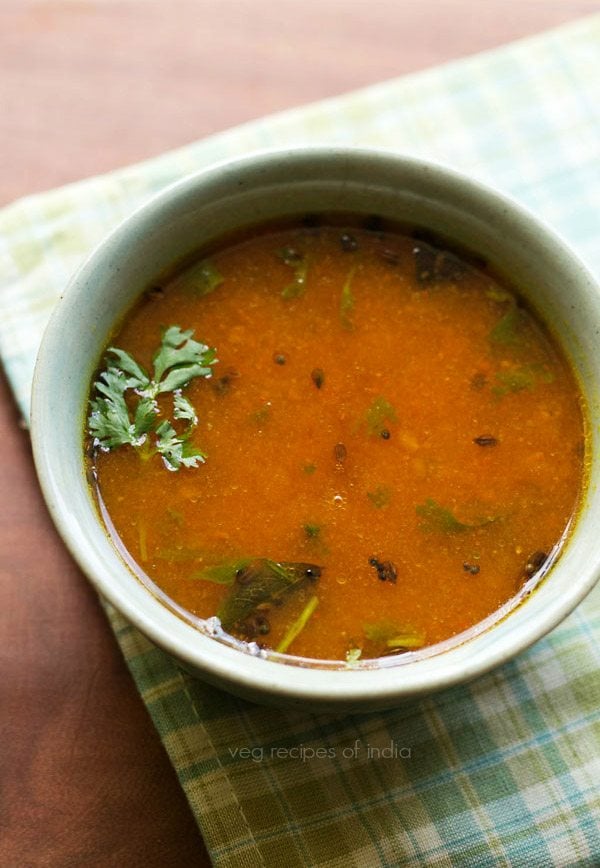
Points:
x=203 y=207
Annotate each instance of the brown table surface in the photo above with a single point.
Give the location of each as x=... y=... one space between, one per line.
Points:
x=86 y=87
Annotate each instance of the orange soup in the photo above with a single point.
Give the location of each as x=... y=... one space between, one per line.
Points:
x=342 y=441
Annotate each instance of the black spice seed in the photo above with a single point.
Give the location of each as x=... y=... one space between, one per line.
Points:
x=392 y=257
x=348 y=242
x=385 y=434
x=478 y=381
x=318 y=377
x=534 y=563
x=262 y=625
x=374 y=223
x=244 y=575
x=257 y=625
x=485 y=440
x=340 y=453
x=386 y=571
x=473 y=569
x=279 y=358
x=310 y=221
x=222 y=385
x=155 y=292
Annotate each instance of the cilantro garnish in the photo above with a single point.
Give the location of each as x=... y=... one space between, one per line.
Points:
x=124 y=410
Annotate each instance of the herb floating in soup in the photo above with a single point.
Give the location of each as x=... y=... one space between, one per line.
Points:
x=344 y=443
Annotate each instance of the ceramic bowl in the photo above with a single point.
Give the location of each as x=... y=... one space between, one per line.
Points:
x=261 y=187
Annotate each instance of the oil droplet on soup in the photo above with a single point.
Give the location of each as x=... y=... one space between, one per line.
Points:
x=388 y=447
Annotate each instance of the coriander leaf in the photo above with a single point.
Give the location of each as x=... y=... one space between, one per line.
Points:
x=109 y=422
x=507 y=330
x=380 y=497
x=521 y=378
x=145 y=416
x=183 y=357
x=312 y=531
x=495 y=293
x=178 y=360
x=299 y=624
x=299 y=262
x=202 y=278
x=514 y=380
x=439 y=519
x=353 y=656
x=176 y=451
x=138 y=378
x=379 y=413
x=263 y=581
x=183 y=409
x=347 y=301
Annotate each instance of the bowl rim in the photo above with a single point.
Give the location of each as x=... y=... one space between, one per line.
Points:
x=230 y=666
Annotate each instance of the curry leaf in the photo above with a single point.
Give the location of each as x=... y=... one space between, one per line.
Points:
x=222 y=574
x=263 y=581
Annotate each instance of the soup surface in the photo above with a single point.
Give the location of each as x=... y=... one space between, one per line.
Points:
x=393 y=444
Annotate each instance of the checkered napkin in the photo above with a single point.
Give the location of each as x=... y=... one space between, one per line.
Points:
x=505 y=771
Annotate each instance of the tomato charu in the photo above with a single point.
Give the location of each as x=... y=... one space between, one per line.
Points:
x=345 y=442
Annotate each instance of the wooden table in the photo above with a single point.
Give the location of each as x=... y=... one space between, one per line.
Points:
x=85 y=87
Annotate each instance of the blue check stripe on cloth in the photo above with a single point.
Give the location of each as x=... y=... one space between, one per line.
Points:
x=504 y=771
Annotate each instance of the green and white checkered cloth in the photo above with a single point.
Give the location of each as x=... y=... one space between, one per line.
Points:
x=505 y=771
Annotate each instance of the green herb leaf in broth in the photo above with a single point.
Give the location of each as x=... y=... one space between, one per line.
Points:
x=176 y=451
x=184 y=409
x=298 y=626
x=109 y=422
x=380 y=497
x=393 y=636
x=353 y=655
x=182 y=359
x=263 y=581
x=439 y=519
x=347 y=301
x=222 y=574
x=508 y=329
x=137 y=378
x=178 y=360
x=379 y=413
x=524 y=377
x=202 y=278
x=312 y=530
x=299 y=263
